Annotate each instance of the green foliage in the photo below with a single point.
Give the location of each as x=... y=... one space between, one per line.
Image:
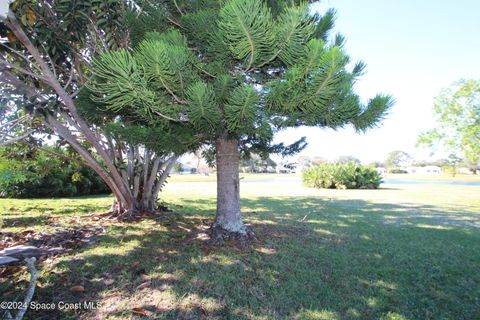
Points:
x=61 y=25
x=52 y=172
x=452 y=164
x=238 y=67
x=10 y=173
x=397 y=171
x=202 y=108
x=126 y=85
x=293 y=29
x=254 y=163
x=397 y=159
x=246 y=27
x=347 y=159
x=342 y=176
x=457 y=111
x=162 y=141
x=325 y=24
x=240 y=110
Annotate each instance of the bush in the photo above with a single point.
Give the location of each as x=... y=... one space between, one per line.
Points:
x=342 y=176
x=396 y=171
x=50 y=173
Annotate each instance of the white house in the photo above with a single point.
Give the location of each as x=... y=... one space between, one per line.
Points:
x=287 y=168
x=424 y=170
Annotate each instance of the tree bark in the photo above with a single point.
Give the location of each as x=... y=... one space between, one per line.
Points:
x=228 y=218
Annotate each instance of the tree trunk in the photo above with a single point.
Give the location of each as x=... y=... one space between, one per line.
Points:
x=129 y=209
x=144 y=203
x=228 y=218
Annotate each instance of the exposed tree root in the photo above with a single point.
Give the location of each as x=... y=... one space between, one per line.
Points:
x=219 y=236
x=132 y=215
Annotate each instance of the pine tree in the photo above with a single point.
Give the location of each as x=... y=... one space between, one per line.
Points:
x=237 y=71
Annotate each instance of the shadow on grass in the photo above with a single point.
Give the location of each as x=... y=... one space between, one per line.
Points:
x=316 y=258
x=40 y=214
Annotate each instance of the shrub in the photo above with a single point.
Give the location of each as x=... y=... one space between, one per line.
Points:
x=342 y=176
x=396 y=170
x=50 y=173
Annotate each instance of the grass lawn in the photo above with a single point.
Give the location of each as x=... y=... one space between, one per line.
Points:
x=436 y=177
x=402 y=252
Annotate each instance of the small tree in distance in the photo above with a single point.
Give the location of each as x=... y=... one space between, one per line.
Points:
x=347 y=159
x=397 y=159
x=457 y=111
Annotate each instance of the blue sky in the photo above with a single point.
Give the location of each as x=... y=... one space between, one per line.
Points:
x=413 y=49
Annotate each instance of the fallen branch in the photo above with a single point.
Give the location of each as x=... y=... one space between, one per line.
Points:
x=31 y=289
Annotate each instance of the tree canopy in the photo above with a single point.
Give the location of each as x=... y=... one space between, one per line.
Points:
x=397 y=159
x=243 y=68
x=457 y=111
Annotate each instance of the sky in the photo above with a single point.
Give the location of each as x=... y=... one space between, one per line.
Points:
x=412 y=49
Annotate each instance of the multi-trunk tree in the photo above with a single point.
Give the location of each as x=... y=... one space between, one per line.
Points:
x=46 y=53
x=237 y=71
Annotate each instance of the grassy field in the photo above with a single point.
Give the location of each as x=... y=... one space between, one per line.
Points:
x=436 y=177
x=261 y=176
x=402 y=252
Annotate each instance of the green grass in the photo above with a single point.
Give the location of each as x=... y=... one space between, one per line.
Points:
x=409 y=252
x=436 y=177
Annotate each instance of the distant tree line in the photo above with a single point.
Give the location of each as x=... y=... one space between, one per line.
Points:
x=397 y=161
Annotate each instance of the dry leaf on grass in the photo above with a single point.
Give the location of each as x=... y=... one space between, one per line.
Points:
x=139 y=311
x=77 y=289
x=144 y=285
x=9 y=270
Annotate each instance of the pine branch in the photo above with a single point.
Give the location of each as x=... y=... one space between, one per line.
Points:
x=246 y=27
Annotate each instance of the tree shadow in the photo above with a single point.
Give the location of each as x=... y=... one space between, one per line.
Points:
x=39 y=216
x=314 y=258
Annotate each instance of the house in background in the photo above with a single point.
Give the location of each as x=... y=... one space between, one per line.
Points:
x=381 y=171
x=464 y=170
x=424 y=170
x=287 y=167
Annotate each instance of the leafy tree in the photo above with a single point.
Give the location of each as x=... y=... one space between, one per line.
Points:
x=256 y=164
x=420 y=163
x=47 y=49
x=457 y=111
x=347 y=159
x=396 y=159
x=376 y=164
x=237 y=71
x=440 y=163
x=318 y=160
x=453 y=162
x=304 y=162
x=472 y=166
